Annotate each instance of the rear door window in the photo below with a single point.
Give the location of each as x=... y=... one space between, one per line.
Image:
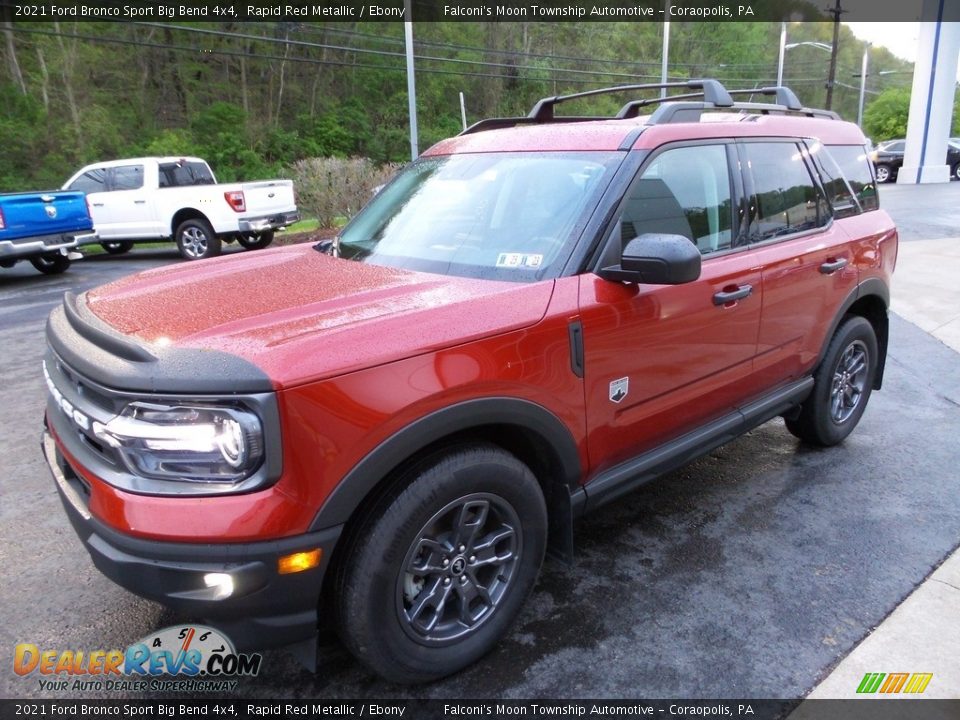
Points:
x=185 y=173
x=785 y=199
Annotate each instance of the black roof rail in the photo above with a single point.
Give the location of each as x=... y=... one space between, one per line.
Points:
x=676 y=108
x=712 y=91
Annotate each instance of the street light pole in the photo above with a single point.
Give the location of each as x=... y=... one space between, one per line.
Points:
x=411 y=82
x=783 y=50
x=863 y=83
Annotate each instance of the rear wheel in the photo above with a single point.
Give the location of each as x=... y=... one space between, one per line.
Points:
x=842 y=386
x=51 y=263
x=441 y=567
x=256 y=241
x=883 y=173
x=955 y=172
x=118 y=247
x=196 y=240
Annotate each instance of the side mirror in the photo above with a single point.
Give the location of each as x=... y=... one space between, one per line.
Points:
x=656 y=260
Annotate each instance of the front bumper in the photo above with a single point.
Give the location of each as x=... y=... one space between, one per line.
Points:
x=13 y=249
x=269 y=222
x=265 y=609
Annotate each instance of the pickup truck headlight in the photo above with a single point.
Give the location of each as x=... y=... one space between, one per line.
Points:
x=191 y=443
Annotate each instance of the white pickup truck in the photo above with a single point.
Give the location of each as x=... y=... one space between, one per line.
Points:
x=159 y=198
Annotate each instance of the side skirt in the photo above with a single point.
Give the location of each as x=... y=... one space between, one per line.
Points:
x=631 y=474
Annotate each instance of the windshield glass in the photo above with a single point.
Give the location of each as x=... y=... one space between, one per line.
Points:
x=502 y=216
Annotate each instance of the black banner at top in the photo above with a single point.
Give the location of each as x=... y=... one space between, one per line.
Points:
x=479 y=10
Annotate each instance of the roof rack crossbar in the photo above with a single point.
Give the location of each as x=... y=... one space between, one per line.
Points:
x=784 y=95
x=713 y=92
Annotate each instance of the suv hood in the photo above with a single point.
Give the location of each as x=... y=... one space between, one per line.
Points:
x=301 y=315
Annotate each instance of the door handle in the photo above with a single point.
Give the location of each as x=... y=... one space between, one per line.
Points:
x=139 y=202
x=728 y=296
x=831 y=266
x=97 y=204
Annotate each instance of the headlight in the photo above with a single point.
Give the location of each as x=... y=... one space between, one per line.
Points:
x=192 y=443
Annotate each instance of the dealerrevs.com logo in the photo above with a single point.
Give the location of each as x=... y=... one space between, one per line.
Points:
x=179 y=658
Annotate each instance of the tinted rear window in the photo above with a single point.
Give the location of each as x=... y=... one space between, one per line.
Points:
x=185 y=173
x=785 y=199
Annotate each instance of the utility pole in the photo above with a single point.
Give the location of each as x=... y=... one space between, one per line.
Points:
x=836 y=11
x=863 y=83
x=665 y=53
x=411 y=81
x=783 y=49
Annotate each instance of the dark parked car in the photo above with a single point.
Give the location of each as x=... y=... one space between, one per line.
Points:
x=888 y=157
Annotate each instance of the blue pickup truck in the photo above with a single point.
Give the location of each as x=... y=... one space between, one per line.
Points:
x=43 y=228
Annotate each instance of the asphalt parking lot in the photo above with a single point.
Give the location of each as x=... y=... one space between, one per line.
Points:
x=749 y=573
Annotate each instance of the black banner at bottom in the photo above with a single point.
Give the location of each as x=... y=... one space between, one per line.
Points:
x=233 y=709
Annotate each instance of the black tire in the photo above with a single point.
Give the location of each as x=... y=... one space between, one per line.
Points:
x=118 y=247
x=196 y=240
x=477 y=496
x=256 y=242
x=51 y=263
x=840 y=390
x=884 y=173
x=955 y=172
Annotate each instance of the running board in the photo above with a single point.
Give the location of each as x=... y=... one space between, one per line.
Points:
x=627 y=476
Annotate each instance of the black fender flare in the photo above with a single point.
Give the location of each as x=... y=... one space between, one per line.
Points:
x=874 y=287
x=361 y=480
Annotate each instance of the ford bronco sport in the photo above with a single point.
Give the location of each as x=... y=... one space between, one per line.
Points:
x=385 y=434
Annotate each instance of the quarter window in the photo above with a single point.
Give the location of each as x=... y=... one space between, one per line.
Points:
x=785 y=199
x=855 y=166
x=684 y=191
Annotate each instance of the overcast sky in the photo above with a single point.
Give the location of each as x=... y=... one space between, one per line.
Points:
x=899 y=38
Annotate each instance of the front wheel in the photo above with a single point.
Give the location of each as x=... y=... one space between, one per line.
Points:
x=883 y=173
x=196 y=240
x=436 y=575
x=842 y=386
x=51 y=263
x=256 y=241
x=118 y=247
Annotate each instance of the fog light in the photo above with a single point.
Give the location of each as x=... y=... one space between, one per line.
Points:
x=299 y=561
x=221 y=585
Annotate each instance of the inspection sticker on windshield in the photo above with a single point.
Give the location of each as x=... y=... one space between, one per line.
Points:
x=519 y=260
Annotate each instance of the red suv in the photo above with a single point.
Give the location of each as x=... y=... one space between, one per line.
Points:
x=386 y=433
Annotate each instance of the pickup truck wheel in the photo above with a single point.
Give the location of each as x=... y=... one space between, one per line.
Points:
x=196 y=240
x=841 y=387
x=117 y=248
x=439 y=570
x=51 y=263
x=256 y=241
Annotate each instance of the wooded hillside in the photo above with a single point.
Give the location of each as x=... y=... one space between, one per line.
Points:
x=253 y=98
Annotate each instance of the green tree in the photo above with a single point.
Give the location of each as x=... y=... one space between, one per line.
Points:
x=886 y=116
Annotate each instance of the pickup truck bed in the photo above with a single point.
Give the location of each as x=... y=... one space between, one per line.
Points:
x=43 y=227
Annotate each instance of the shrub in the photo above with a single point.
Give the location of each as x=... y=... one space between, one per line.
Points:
x=333 y=189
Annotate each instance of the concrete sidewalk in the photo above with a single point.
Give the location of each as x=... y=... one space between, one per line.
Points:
x=922 y=635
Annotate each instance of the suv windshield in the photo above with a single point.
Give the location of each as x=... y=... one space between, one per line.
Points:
x=503 y=216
